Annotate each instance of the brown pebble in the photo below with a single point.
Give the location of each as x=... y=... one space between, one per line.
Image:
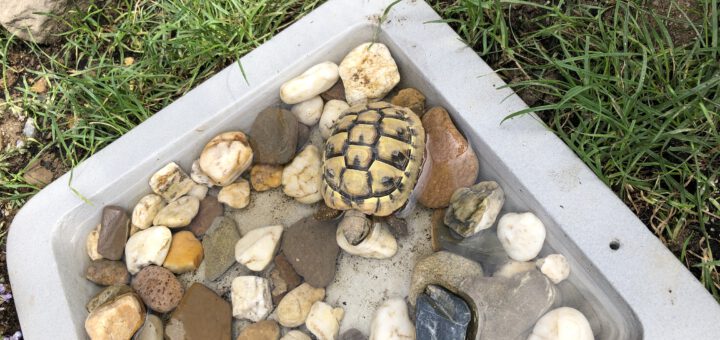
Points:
x=107 y=273
x=451 y=162
x=263 y=330
x=264 y=177
x=201 y=315
x=325 y=213
x=113 y=233
x=412 y=99
x=336 y=92
x=436 y=223
x=158 y=288
x=286 y=275
x=209 y=209
x=397 y=226
x=38 y=176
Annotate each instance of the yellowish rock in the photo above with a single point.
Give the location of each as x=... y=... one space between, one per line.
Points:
x=185 y=254
x=293 y=309
x=178 y=213
x=236 y=195
x=225 y=157
x=263 y=330
x=119 y=318
x=92 y=244
x=264 y=177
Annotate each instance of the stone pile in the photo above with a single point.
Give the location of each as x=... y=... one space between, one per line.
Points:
x=176 y=266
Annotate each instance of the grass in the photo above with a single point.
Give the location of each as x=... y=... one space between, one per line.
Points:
x=633 y=89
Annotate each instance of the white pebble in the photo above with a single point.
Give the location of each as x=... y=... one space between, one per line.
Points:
x=146 y=247
x=310 y=83
x=146 y=209
x=198 y=191
x=391 y=322
x=521 y=235
x=255 y=250
x=250 y=297
x=302 y=178
x=178 y=213
x=324 y=321
x=563 y=323
x=91 y=244
x=29 y=128
x=555 y=267
x=225 y=157
x=331 y=112
x=309 y=111
x=236 y=195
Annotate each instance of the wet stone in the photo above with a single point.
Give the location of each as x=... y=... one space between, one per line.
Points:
x=209 y=209
x=475 y=208
x=451 y=162
x=201 y=314
x=219 y=247
x=508 y=307
x=107 y=273
x=274 y=136
x=311 y=249
x=441 y=315
x=113 y=233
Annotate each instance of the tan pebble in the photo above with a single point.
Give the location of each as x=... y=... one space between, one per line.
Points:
x=185 y=253
x=265 y=176
x=236 y=195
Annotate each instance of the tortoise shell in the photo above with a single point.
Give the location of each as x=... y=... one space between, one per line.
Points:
x=373 y=158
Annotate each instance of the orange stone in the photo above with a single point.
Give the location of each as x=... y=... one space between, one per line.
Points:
x=451 y=162
x=185 y=253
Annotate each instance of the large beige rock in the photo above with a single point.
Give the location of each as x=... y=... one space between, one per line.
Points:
x=178 y=213
x=225 y=157
x=294 y=308
x=368 y=72
x=119 y=318
x=33 y=19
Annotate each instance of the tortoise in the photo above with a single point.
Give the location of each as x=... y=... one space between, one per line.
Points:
x=372 y=159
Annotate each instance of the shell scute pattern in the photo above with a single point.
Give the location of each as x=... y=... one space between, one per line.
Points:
x=372 y=159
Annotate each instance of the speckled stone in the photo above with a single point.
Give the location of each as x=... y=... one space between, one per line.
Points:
x=219 y=246
x=158 y=288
